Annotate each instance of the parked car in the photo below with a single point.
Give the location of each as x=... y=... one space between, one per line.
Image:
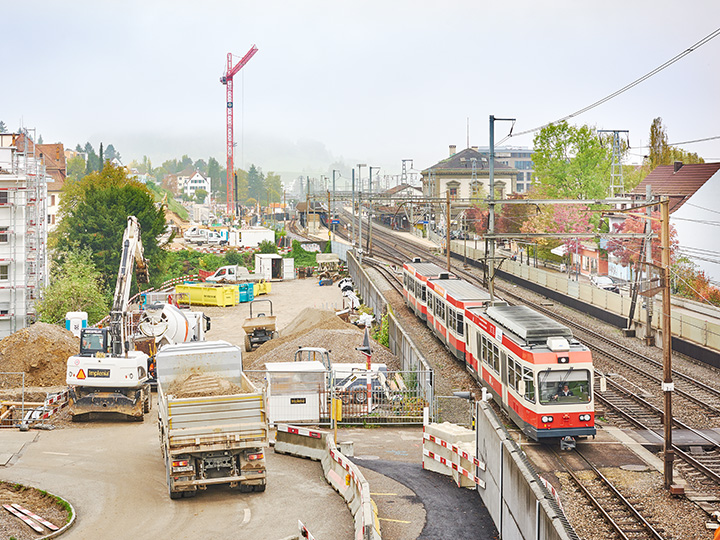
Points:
x=605 y=282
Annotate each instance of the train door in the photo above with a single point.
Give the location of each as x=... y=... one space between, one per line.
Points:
x=504 y=376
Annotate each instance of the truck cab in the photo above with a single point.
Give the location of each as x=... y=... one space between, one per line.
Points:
x=94 y=342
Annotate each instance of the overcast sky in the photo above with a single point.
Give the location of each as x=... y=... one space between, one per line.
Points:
x=370 y=82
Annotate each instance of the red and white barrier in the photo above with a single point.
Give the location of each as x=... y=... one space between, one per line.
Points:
x=28 y=521
x=454 y=449
x=299 y=431
x=35 y=517
x=304 y=533
x=455 y=467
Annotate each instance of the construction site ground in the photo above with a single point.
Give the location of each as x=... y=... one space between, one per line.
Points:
x=109 y=468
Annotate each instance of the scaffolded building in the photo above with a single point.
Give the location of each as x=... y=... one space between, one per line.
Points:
x=23 y=230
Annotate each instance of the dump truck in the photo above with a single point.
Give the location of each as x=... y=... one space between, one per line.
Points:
x=212 y=419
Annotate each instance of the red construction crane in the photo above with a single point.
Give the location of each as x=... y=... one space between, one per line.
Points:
x=227 y=80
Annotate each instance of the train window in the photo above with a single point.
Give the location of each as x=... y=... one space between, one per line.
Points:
x=513 y=379
x=564 y=386
x=460 y=324
x=424 y=293
x=451 y=319
x=529 y=384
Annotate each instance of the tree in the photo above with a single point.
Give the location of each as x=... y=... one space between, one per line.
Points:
x=185 y=162
x=213 y=171
x=75 y=285
x=200 y=195
x=267 y=246
x=76 y=168
x=243 y=189
x=560 y=218
x=111 y=153
x=273 y=187
x=92 y=163
x=94 y=214
x=101 y=157
x=40 y=139
x=571 y=162
x=256 y=183
x=3 y=127
x=201 y=165
x=662 y=153
x=630 y=250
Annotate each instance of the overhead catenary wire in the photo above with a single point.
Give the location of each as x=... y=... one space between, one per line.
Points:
x=624 y=89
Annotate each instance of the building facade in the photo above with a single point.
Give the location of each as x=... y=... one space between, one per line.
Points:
x=23 y=231
x=520 y=159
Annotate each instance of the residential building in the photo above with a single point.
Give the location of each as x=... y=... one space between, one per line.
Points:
x=693 y=190
x=23 y=229
x=403 y=191
x=190 y=180
x=519 y=158
x=466 y=175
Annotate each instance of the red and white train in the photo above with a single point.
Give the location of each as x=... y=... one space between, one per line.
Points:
x=533 y=366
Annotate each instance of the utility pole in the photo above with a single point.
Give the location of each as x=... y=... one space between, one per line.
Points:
x=307 y=206
x=668 y=386
x=360 y=249
x=329 y=219
x=617 y=186
x=447 y=230
x=491 y=206
x=649 y=337
x=352 y=220
x=370 y=214
x=333 y=196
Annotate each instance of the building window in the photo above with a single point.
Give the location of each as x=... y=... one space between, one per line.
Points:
x=4 y=238
x=52 y=200
x=476 y=190
x=3 y=197
x=452 y=188
x=4 y=309
x=4 y=272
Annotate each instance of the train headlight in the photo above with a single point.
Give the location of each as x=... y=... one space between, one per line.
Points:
x=584 y=417
x=547 y=419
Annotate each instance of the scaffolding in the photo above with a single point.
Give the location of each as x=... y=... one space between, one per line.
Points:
x=23 y=231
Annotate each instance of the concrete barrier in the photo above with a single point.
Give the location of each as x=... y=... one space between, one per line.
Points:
x=514 y=494
x=343 y=475
x=449 y=449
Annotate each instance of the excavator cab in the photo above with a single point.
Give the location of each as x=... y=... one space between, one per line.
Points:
x=94 y=342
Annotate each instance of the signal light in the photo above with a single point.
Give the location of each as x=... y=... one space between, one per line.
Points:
x=255 y=457
x=546 y=419
x=584 y=417
x=180 y=463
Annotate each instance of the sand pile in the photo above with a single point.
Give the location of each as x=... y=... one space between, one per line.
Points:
x=197 y=384
x=40 y=351
x=317 y=328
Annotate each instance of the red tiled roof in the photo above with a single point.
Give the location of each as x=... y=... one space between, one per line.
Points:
x=678 y=186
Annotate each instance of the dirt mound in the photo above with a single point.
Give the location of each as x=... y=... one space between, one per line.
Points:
x=40 y=351
x=309 y=318
x=196 y=384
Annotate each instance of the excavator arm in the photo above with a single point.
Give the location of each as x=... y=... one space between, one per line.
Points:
x=132 y=256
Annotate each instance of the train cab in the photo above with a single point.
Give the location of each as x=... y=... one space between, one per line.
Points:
x=541 y=375
x=415 y=276
x=447 y=300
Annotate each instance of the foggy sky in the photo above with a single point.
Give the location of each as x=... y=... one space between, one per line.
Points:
x=370 y=82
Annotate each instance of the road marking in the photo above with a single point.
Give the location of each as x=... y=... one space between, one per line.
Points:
x=57 y=453
x=394 y=520
x=383 y=494
x=246 y=519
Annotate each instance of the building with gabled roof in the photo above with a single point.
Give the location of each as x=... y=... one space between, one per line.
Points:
x=693 y=190
x=466 y=175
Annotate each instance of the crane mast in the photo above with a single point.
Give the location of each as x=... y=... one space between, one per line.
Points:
x=227 y=80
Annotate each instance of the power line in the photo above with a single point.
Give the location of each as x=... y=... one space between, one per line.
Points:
x=625 y=88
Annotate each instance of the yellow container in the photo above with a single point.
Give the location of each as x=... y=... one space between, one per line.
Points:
x=261 y=287
x=209 y=296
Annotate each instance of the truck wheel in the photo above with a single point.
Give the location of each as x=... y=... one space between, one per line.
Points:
x=361 y=397
x=259 y=488
x=173 y=494
x=244 y=488
x=81 y=417
x=146 y=405
x=248 y=345
x=189 y=494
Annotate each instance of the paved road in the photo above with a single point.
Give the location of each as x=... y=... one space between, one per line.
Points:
x=114 y=476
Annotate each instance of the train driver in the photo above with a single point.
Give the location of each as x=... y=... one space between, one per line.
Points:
x=564 y=392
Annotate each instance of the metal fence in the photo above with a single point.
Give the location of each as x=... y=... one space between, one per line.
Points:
x=395 y=397
x=454 y=409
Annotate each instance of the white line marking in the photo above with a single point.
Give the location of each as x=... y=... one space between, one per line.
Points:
x=246 y=519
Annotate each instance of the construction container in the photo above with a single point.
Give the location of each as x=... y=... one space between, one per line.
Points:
x=205 y=295
x=261 y=287
x=246 y=292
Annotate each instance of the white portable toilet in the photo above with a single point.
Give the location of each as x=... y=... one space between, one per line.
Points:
x=75 y=321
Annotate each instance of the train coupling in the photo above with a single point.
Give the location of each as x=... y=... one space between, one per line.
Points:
x=567 y=443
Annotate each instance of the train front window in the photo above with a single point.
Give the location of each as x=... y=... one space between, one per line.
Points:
x=564 y=386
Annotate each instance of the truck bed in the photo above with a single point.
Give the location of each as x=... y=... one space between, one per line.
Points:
x=214 y=422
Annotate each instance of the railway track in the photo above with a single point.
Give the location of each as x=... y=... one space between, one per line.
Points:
x=621 y=515
x=703 y=463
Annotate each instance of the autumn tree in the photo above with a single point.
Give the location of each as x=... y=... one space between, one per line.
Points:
x=560 y=218
x=630 y=251
x=273 y=187
x=571 y=162
x=662 y=153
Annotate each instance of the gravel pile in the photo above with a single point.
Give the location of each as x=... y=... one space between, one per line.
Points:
x=198 y=384
x=318 y=328
x=40 y=352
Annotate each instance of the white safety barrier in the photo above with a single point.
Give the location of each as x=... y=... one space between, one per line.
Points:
x=457 y=457
x=343 y=475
